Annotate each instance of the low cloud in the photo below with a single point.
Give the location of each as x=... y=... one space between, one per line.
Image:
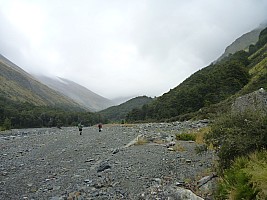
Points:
x=123 y=48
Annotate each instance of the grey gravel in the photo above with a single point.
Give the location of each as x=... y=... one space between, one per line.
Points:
x=57 y=164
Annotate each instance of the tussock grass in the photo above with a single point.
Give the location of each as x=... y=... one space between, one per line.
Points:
x=257 y=169
x=200 y=133
x=196 y=135
x=178 y=147
x=159 y=141
x=141 y=141
x=246 y=179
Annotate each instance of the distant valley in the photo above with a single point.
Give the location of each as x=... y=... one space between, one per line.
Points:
x=240 y=70
x=83 y=96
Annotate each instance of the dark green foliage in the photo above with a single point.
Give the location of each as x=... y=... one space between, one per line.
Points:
x=262 y=39
x=118 y=113
x=235 y=135
x=209 y=86
x=245 y=179
x=206 y=87
x=26 y=115
x=7 y=124
x=240 y=181
x=186 y=137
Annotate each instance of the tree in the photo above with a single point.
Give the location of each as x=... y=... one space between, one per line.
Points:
x=7 y=124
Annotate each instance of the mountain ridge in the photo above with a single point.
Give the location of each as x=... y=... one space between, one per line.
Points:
x=243 y=42
x=78 y=93
x=16 y=84
x=119 y=112
x=210 y=90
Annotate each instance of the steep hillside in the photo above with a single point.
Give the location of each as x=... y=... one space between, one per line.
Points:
x=18 y=85
x=236 y=74
x=78 y=93
x=243 y=42
x=118 y=113
x=258 y=65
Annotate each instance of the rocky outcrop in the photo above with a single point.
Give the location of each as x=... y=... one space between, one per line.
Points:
x=255 y=101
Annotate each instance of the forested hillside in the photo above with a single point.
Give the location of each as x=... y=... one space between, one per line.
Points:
x=25 y=102
x=236 y=74
x=25 y=115
x=18 y=85
x=118 y=113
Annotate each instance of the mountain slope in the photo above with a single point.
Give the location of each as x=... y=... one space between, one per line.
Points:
x=78 y=93
x=18 y=85
x=237 y=74
x=243 y=42
x=118 y=113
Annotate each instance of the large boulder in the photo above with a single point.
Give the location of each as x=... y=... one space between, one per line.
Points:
x=255 y=101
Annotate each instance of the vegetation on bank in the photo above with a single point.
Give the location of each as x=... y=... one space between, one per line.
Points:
x=26 y=115
x=240 y=140
x=238 y=134
x=245 y=179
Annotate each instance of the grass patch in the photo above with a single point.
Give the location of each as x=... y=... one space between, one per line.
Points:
x=246 y=179
x=196 y=135
x=159 y=141
x=141 y=141
x=200 y=133
x=178 y=147
x=186 y=136
x=257 y=169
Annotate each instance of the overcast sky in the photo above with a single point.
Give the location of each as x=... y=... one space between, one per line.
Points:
x=123 y=47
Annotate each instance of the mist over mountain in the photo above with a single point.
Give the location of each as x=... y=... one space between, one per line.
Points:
x=243 y=42
x=78 y=93
x=239 y=71
x=18 y=85
x=121 y=100
x=208 y=92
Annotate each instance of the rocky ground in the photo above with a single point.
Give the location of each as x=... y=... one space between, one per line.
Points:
x=113 y=164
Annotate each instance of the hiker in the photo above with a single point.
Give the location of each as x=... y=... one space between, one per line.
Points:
x=80 y=127
x=99 y=127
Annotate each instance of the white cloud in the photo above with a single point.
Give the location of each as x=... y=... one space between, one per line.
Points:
x=123 y=47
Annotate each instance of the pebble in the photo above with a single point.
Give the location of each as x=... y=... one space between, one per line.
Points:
x=57 y=164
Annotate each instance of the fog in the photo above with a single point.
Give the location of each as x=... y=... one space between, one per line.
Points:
x=123 y=47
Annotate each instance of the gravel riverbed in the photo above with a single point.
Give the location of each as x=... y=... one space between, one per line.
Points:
x=56 y=164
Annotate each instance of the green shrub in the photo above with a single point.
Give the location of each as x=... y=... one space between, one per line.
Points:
x=186 y=136
x=245 y=179
x=235 y=135
x=236 y=185
x=6 y=124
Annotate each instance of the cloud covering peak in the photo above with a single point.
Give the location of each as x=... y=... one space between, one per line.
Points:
x=123 y=47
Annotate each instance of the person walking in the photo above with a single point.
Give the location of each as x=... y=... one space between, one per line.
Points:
x=80 y=127
x=99 y=127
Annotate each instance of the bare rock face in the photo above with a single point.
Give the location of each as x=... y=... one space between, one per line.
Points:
x=255 y=101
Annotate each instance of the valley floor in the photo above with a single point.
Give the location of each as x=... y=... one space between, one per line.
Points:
x=61 y=164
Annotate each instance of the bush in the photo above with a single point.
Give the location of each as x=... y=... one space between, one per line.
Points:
x=245 y=179
x=6 y=124
x=186 y=136
x=236 y=185
x=235 y=135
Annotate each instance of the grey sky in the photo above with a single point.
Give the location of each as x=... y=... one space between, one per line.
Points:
x=123 y=47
